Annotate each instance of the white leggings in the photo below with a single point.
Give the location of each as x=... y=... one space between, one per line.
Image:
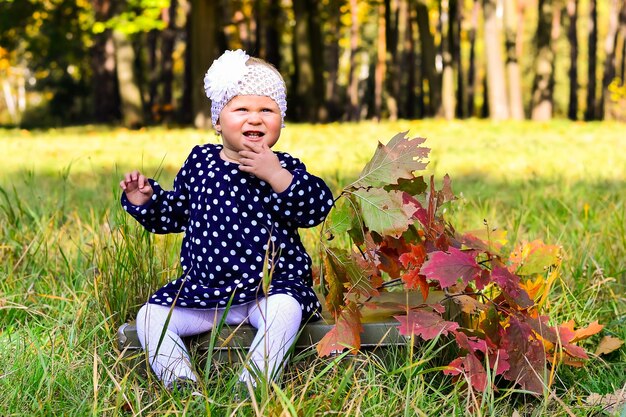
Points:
x=276 y=317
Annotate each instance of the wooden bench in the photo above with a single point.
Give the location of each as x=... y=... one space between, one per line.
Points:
x=231 y=343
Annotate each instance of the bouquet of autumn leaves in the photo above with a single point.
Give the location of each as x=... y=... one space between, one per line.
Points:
x=398 y=236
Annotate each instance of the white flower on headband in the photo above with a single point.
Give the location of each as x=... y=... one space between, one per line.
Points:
x=224 y=74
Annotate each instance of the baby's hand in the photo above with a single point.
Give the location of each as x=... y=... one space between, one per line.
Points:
x=137 y=188
x=260 y=161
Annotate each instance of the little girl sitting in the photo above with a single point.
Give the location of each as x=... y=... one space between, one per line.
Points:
x=238 y=204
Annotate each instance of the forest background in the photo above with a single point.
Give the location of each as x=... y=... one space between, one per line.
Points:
x=141 y=62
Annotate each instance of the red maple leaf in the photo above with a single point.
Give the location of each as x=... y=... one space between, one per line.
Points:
x=560 y=336
x=510 y=284
x=413 y=280
x=472 y=368
x=448 y=268
x=388 y=253
x=492 y=327
x=483 y=279
x=470 y=343
x=345 y=335
x=498 y=358
x=412 y=261
x=425 y=324
x=499 y=361
x=527 y=357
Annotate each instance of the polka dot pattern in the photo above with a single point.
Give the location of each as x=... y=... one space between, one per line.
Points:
x=231 y=219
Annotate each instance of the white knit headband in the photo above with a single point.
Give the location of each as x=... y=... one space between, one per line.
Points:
x=229 y=76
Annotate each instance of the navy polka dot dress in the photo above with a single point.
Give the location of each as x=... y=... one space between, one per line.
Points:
x=231 y=219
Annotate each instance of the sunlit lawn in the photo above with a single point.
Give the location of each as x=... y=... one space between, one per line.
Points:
x=73 y=267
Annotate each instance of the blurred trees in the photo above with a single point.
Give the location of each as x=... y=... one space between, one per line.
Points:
x=139 y=62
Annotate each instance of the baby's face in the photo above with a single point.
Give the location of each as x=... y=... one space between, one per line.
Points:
x=249 y=119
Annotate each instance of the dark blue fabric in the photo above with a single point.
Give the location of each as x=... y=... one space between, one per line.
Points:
x=231 y=220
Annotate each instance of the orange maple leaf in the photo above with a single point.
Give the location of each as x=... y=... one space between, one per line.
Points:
x=345 y=335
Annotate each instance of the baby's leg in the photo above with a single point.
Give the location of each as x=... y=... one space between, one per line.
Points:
x=277 y=319
x=167 y=353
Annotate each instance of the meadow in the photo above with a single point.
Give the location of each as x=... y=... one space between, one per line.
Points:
x=74 y=267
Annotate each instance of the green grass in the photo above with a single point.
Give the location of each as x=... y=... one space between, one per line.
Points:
x=73 y=266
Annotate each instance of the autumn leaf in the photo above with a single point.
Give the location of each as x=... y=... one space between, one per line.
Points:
x=413 y=280
x=533 y=258
x=559 y=336
x=468 y=304
x=448 y=268
x=385 y=213
x=388 y=261
x=424 y=324
x=491 y=326
x=364 y=277
x=398 y=159
x=585 y=332
x=345 y=268
x=611 y=403
x=414 y=258
x=470 y=343
x=489 y=240
x=527 y=358
x=471 y=368
x=533 y=287
x=346 y=334
x=342 y=217
x=483 y=279
x=499 y=361
x=608 y=344
x=412 y=261
x=388 y=254
x=510 y=284
x=414 y=187
x=335 y=280
x=445 y=194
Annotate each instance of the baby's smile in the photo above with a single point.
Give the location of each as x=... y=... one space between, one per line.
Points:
x=253 y=134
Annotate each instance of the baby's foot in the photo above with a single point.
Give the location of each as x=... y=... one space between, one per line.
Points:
x=185 y=386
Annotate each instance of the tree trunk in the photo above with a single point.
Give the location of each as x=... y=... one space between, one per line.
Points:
x=130 y=94
x=516 y=104
x=410 y=56
x=590 y=111
x=543 y=86
x=105 y=93
x=168 y=39
x=353 y=111
x=622 y=34
x=260 y=16
x=621 y=64
x=447 y=79
x=202 y=43
x=393 y=48
x=153 y=76
x=306 y=71
x=572 y=36
x=609 y=50
x=186 y=103
x=273 y=33
x=332 y=48
x=456 y=27
x=429 y=70
x=471 y=67
x=498 y=103
x=402 y=67
x=380 y=69
x=318 y=62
